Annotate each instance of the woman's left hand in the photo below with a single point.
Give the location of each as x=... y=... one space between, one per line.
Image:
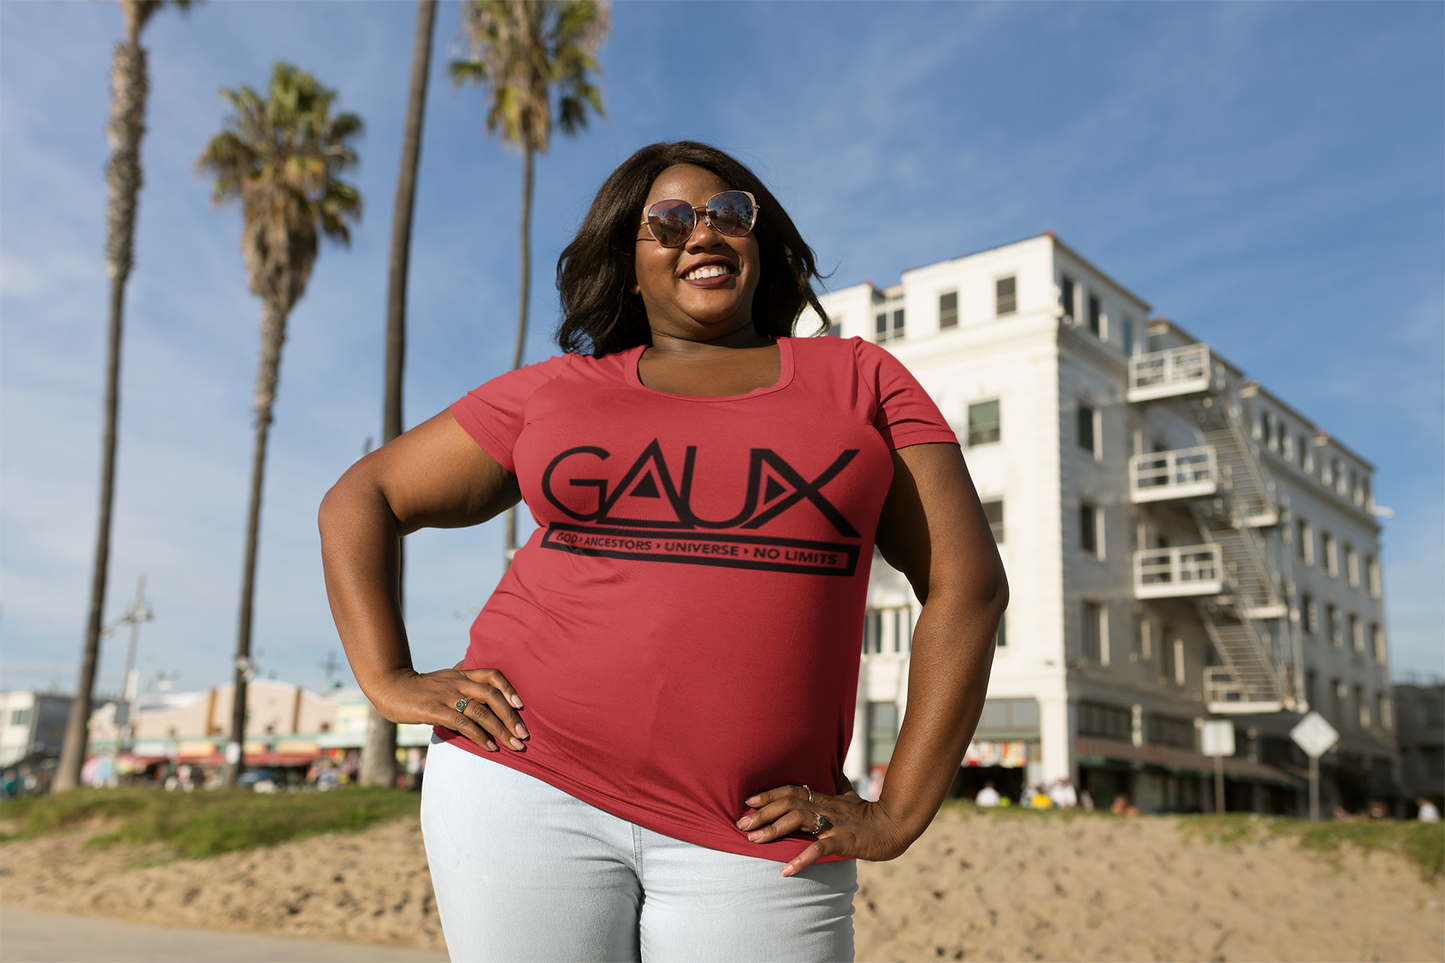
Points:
x=854 y=826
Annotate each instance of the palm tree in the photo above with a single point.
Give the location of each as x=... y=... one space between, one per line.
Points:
x=378 y=758
x=280 y=158
x=129 y=90
x=526 y=53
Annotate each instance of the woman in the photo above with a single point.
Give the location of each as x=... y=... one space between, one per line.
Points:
x=667 y=673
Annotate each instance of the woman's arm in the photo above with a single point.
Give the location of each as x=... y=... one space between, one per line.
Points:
x=434 y=476
x=932 y=529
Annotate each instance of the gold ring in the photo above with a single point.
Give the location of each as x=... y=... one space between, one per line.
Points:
x=810 y=794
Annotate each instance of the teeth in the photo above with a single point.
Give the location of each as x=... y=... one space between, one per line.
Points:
x=709 y=271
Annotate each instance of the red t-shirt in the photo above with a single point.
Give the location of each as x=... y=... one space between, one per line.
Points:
x=685 y=624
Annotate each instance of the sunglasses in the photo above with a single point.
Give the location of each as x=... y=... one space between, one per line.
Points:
x=672 y=222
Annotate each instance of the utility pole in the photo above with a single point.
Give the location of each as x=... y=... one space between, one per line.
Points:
x=139 y=611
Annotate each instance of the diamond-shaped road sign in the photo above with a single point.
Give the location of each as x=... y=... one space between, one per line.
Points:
x=1314 y=735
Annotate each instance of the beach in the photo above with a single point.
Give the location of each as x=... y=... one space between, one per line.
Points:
x=976 y=886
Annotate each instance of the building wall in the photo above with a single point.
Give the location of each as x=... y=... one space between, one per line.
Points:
x=1042 y=362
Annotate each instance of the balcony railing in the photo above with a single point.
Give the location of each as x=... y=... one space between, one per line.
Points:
x=1226 y=696
x=1162 y=573
x=1185 y=473
x=1175 y=371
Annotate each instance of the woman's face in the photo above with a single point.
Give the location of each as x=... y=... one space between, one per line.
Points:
x=682 y=291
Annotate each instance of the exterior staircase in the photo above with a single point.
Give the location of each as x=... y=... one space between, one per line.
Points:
x=1239 y=500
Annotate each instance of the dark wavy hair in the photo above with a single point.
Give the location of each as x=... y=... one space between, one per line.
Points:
x=599 y=312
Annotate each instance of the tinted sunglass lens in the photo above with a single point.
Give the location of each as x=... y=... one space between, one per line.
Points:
x=671 y=222
x=730 y=213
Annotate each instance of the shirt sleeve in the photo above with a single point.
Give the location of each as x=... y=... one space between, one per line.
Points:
x=495 y=414
x=906 y=415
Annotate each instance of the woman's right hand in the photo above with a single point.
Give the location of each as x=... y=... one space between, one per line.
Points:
x=488 y=718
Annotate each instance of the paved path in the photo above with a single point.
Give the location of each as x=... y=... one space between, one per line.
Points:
x=29 y=936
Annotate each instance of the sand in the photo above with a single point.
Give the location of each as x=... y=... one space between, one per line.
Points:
x=974 y=887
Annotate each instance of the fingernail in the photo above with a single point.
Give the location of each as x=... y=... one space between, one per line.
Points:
x=753 y=800
x=753 y=837
x=744 y=823
x=491 y=746
x=516 y=701
x=516 y=743
x=521 y=730
x=787 y=870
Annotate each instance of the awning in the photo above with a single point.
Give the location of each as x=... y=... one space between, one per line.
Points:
x=1094 y=751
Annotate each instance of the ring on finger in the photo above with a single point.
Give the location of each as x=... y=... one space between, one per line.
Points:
x=818 y=823
x=810 y=794
x=461 y=704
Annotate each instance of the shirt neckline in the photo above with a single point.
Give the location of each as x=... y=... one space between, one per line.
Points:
x=785 y=376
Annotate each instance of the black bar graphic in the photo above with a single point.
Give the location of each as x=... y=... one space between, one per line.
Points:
x=757 y=552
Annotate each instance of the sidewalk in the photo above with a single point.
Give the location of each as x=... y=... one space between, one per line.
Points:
x=28 y=936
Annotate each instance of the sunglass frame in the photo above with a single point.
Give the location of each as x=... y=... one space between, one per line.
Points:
x=703 y=210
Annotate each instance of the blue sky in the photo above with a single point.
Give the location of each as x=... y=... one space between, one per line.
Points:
x=1268 y=175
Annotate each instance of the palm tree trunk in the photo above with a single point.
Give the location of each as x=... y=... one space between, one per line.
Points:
x=378 y=758
x=526 y=272
x=129 y=88
x=273 y=336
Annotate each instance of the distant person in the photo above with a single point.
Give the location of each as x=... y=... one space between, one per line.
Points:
x=1062 y=794
x=987 y=797
x=1341 y=812
x=1122 y=807
x=639 y=754
x=1039 y=799
x=1086 y=800
x=1428 y=812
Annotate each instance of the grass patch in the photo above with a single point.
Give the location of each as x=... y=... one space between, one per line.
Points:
x=1421 y=843
x=200 y=824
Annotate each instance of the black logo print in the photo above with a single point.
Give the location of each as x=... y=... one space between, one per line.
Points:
x=649 y=516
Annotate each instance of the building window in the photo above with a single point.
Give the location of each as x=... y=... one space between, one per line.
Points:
x=1332 y=622
x=993 y=511
x=1089 y=529
x=1340 y=487
x=872 y=632
x=1005 y=296
x=1357 y=632
x=1096 y=317
x=1332 y=553
x=1111 y=722
x=1179 y=662
x=1377 y=636
x=1372 y=571
x=1086 y=433
x=1325 y=475
x=20 y=717
x=1096 y=633
x=1164 y=731
x=882 y=732
x=948 y=310
x=1127 y=330
x=1287 y=447
x=1362 y=708
x=1143 y=641
x=1308 y=615
x=1303 y=454
x=1337 y=701
x=902 y=630
x=983 y=423
x=1352 y=565
x=1304 y=542
x=1066 y=297
x=1383 y=712
x=884 y=332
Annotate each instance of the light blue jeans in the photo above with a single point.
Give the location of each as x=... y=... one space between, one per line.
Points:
x=523 y=871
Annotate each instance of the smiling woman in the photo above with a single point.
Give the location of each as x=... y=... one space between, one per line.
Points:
x=686 y=622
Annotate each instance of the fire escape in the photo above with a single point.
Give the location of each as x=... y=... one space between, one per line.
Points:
x=1229 y=574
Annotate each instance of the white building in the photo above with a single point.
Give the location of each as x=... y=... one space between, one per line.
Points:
x=1180 y=544
x=32 y=726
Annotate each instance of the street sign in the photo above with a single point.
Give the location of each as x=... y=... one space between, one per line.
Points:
x=1314 y=735
x=1216 y=738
